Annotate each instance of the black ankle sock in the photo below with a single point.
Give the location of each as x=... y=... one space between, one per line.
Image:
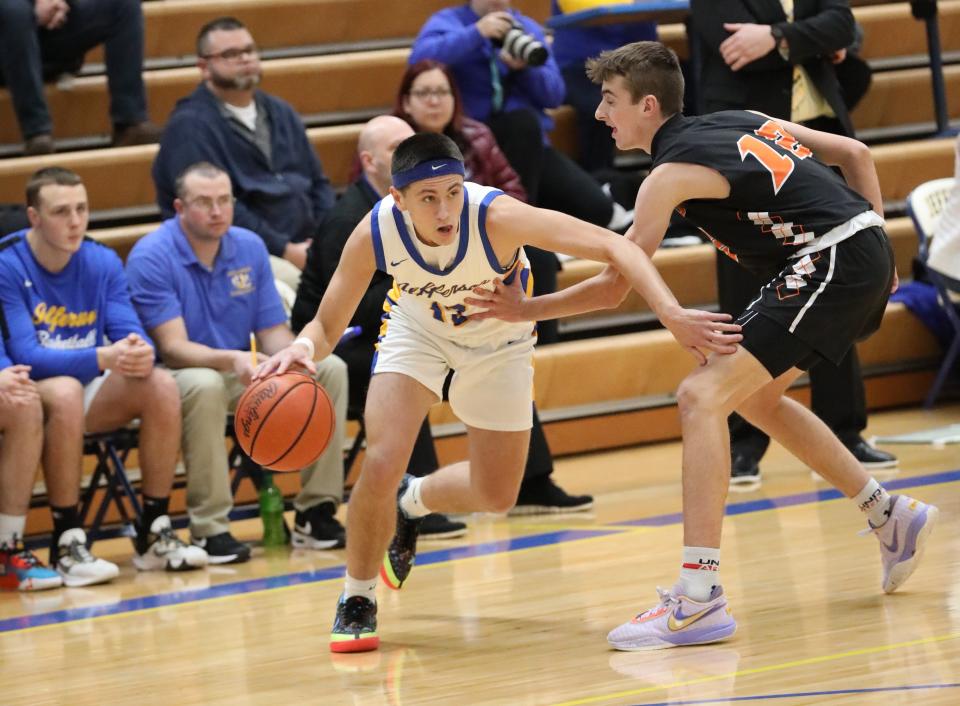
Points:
x=64 y=518
x=152 y=509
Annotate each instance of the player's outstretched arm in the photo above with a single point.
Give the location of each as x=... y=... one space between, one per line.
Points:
x=319 y=337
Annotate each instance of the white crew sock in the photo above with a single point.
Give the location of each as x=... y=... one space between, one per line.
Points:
x=360 y=587
x=11 y=528
x=411 y=503
x=700 y=572
x=875 y=502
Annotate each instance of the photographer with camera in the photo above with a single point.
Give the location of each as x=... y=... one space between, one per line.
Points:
x=493 y=51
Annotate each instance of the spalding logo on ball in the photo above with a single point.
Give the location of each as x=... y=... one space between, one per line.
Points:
x=284 y=422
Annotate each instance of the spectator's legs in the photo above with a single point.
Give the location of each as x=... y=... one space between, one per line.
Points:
x=22 y=429
x=205 y=396
x=520 y=137
x=543 y=267
x=323 y=480
x=63 y=402
x=22 y=67
x=155 y=401
x=837 y=397
x=118 y=25
x=567 y=188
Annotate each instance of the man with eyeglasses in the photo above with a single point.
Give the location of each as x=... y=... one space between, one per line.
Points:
x=258 y=139
x=201 y=287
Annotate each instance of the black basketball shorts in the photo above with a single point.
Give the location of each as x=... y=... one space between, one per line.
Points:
x=820 y=304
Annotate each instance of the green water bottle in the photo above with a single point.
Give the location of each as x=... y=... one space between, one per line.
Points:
x=271 y=512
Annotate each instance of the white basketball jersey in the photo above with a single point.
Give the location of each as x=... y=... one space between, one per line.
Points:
x=433 y=297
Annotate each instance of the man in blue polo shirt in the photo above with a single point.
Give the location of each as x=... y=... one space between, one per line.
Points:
x=202 y=286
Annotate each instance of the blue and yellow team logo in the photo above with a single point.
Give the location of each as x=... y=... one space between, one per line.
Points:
x=54 y=317
x=241 y=281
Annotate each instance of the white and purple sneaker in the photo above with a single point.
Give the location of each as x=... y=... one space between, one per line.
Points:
x=903 y=538
x=676 y=621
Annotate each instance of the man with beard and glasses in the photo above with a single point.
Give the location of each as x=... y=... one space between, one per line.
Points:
x=257 y=139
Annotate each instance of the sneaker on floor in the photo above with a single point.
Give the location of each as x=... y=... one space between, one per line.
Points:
x=355 y=627
x=402 y=551
x=903 y=538
x=20 y=569
x=77 y=566
x=675 y=621
x=872 y=457
x=544 y=497
x=317 y=527
x=163 y=550
x=437 y=526
x=744 y=470
x=222 y=548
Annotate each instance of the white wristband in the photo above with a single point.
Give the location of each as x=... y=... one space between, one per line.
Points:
x=308 y=344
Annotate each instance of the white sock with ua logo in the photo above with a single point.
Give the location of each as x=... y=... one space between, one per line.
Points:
x=875 y=502
x=700 y=572
x=411 y=503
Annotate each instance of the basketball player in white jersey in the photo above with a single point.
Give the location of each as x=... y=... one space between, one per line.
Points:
x=440 y=237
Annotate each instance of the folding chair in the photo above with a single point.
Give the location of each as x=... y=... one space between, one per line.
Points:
x=924 y=205
x=110 y=474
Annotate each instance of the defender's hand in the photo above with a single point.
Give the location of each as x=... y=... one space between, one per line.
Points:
x=698 y=331
x=505 y=301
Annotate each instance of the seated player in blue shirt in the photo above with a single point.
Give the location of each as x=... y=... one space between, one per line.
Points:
x=202 y=286
x=67 y=314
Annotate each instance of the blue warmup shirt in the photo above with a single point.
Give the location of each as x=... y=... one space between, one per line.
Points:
x=5 y=361
x=55 y=321
x=221 y=306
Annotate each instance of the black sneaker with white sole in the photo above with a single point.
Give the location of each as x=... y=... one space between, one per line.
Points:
x=222 y=548
x=544 y=497
x=437 y=526
x=744 y=469
x=317 y=527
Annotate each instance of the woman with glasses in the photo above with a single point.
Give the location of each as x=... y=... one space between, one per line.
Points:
x=430 y=102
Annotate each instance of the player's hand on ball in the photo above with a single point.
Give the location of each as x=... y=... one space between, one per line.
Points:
x=698 y=331
x=504 y=301
x=291 y=357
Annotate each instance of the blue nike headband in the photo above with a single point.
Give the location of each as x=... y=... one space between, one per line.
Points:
x=425 y=170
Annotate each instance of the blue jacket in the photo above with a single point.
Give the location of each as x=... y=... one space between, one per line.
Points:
x=451 y=36
x=282 y=201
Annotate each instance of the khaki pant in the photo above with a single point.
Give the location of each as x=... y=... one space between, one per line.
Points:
x=286 y=272
x=206 y=397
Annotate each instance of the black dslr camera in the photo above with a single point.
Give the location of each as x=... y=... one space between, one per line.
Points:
x=520 y=45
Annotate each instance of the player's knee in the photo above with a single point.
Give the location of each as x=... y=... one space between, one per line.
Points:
x=695 y=395
x=381 y=472
x=61 y=395
x=161 y=394
x=198 y=385
x=21 y=416
x=497 y=498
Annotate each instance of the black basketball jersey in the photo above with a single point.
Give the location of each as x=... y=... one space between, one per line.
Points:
x=781 y=197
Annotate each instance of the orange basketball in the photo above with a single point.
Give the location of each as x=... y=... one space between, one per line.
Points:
x=284 y=422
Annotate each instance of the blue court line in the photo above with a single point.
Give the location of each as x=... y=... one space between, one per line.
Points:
x=801 y=694
x=130 y=605
x=816 y=496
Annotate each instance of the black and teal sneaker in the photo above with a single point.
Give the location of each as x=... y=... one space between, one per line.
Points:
x=402 y=551
x=355 y=627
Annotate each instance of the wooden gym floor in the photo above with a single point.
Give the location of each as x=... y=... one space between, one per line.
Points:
x=517 y=611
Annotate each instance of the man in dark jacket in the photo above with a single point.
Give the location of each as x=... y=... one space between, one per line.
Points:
x=538 y=492
x=258 y=139
x=778 y=57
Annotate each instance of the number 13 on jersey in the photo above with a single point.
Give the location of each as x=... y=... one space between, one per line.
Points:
x=779 y=165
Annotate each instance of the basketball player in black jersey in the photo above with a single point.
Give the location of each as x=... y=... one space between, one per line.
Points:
x=763 y=192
